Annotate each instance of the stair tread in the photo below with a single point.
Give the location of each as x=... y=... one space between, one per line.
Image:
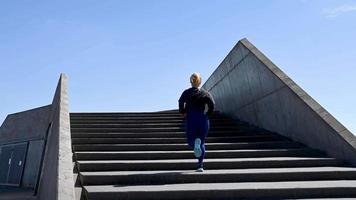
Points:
x=222 y=171
x=180 y=131
x=156 y=138
x=224 y=186
x=232 y=132
x=210 y=151
x=325 y=199
x=206 y=144
x=159 y=135
x=175 y=111
x=221 y=160
x=140 y=140
x=184 y=146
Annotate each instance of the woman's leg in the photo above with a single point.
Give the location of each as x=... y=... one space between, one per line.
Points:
x=190 y=129
x=203 y=134
x=201 y=158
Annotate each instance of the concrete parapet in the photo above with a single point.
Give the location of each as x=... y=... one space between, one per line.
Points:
x=249 y=87
x=57 y=172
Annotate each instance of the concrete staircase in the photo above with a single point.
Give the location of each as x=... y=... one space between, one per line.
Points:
x=145 y=156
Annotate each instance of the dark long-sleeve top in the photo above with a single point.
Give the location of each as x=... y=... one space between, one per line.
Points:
x=195 y=99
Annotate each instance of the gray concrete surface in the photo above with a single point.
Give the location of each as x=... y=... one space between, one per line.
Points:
x=11 y=193
x=65 y=162
x=27 y=126
x=46 y=129
x=32 y=167
x=225 y=186
x=246 y=190
x=249 y=87
x=19 y=127
x=135 y=168
x=57 y=176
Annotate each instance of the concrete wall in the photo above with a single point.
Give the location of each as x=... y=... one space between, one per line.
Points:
x=57 y=172
x=249 y=87
x=33 y=163
x=48 y=166
x=28 y=126
x=20 y=127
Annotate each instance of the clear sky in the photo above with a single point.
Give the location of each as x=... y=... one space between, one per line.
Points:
x=138 y=55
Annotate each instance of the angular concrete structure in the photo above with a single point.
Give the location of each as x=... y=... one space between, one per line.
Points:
x=268 y=140
x=249 y=87
x=47 y=157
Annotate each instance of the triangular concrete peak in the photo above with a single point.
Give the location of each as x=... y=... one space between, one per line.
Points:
x=250 y=87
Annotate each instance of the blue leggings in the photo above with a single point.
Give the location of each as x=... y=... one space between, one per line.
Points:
x=197 y=126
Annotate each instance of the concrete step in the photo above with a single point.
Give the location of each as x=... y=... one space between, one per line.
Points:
x=157 y=129
x=132 y=114
x=177 y=147
x=149 y=121
x=246 y=190
x=152 y=155
x=168 y=140
x=127 y=115
x=118 y=114
x=335 y=198
x=145 y=156
x=178 y=117
x=142 y=125
x=220 y=176
x=173 y=112
x=79 y=194
x=187 y=164
x=163 y=134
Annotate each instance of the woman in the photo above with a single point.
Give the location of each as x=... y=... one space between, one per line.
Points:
x=192 y=104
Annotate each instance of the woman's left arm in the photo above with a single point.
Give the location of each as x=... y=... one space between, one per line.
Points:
x=181 y=103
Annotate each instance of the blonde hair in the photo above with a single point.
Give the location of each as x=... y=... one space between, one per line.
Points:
x=195 y=80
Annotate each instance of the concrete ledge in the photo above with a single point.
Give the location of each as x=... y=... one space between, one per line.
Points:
x=65 y=163
x=249 y=87
x=57 y=172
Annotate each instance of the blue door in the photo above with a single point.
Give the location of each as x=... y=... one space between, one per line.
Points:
x=5 y=160
x=17 y=164
x=12 y=160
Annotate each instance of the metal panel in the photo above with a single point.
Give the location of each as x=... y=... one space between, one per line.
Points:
x=33 y=163
x=12 y=162
x=17 y=164
x=5 y=159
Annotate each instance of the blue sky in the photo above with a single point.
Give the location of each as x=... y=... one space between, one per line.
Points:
x=137 y=55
